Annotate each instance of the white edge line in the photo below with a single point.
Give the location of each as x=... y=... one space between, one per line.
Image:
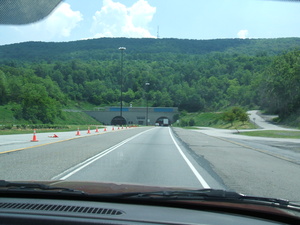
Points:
x=69 y=172
x=196 y=173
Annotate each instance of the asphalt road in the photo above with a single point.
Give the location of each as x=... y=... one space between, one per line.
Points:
x=152 y=157
x=244 y=169
x=157 y=156
x=48 y=157
x=149 y=156
x=282 y=148
x=250 y=165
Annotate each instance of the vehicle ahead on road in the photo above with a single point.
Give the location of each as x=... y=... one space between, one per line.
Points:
x=62 y=200
x=165 y=122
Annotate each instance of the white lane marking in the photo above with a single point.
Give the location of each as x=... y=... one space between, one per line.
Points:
x=69 y=172
x=196 y=173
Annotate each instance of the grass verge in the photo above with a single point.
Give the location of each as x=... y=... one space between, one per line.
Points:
x=71 y=122
x=74 y=128
x=273 y=134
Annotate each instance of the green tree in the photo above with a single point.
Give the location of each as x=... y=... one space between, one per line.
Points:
x=37 y=106
x=229 y=116
x=243 y=117
x=281 y=87
x=4 y=89
x=192 y=122
x=235 y=113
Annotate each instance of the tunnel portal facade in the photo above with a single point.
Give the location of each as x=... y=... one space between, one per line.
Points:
x=134 y=115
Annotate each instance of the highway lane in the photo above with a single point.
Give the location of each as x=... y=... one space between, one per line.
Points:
x=149 y=156
x=45 y=160
x=153 y=157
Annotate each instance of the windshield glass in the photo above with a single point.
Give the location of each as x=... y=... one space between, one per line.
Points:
x=185 y=94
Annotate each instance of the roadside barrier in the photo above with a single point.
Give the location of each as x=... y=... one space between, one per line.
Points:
x=34 y=139
x=78 y=132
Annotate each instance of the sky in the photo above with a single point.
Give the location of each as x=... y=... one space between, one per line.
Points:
x=183 y=19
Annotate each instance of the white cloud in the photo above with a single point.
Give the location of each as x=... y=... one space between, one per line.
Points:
x=242 y=34
x=141 y=13
x=59 y=24
x=116 y=20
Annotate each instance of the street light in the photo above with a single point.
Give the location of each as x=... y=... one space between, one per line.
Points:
x=147 y=90
x=122 y=52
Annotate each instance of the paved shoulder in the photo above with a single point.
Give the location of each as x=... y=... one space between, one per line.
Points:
x=243 y=169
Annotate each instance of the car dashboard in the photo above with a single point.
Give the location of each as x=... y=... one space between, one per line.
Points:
x=58 y=211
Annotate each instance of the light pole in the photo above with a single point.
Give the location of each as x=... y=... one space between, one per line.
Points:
x=147 y=93
x=121 y=98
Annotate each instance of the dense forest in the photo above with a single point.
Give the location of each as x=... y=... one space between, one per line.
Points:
x=38 y=80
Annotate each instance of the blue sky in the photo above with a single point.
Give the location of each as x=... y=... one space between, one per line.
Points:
x=187 y=19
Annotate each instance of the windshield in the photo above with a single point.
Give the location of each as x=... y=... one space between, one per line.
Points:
x=177 y=94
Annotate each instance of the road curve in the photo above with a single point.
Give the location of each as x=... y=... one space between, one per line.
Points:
x=262 y=123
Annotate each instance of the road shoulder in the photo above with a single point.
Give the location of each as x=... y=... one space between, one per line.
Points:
x=243 y=169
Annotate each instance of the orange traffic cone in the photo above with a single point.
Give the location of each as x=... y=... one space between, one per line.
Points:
x=34 y=136
x=104 y=128
x=88 y=132
x=78 y=133
x=97 y=131
x=113 y=128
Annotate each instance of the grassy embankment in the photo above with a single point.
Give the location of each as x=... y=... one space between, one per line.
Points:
x=71 y=121
x=210 y=119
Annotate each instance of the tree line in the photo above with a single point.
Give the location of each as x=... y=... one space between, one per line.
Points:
x=141 y=48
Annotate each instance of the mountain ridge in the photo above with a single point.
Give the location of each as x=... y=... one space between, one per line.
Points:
x=107 y=48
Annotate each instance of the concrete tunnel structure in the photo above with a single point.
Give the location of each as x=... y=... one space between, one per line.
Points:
x=133 y=115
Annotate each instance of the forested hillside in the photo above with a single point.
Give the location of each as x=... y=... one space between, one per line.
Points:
x=142 y=49
x=38 y=79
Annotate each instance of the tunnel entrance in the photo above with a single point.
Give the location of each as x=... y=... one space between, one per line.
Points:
x=118 y=120
x=163 y=121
